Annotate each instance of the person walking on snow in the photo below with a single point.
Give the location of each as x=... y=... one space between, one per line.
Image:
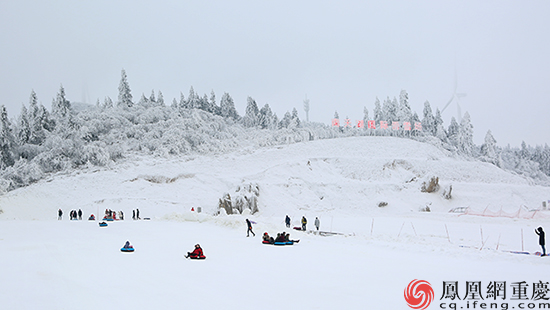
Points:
x=80 y=214
x=317 y=223
x=304 y=223
x=542 y=242
x=249 y=228
x=59 y=214
x=287 y=221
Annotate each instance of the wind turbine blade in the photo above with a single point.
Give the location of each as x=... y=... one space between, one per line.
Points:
x=450 y=100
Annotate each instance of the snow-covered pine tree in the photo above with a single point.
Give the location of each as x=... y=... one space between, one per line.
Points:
x=286 y=120
x=108 y=103
x=404 y=113
x=7 y=141
x=365 y=117
x=124 y=92
x=489 y=152
x=466 y=136
x=336 y=116
x=160 y=99
x=152 y=98
x=183 y=102
x=215 y=109
x=61 y=107
x=227 y=107
x=174 y=104
x=24 y=130
x=378 y=113
x=295 y=119
x=192 y=100
x=250 y=118
x=428 y=122
x=452 y=132
x=265 y=117
x=389 y=109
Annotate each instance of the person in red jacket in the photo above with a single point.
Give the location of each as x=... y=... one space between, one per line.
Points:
x=196 y=254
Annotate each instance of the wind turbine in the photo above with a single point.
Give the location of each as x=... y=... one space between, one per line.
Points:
x=455 y=97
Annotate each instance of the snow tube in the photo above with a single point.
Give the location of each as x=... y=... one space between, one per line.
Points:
x=200 y=257
x=108 y=220
x=102 y=224
x=127 y=249
x=284 y=243
x=266 y=242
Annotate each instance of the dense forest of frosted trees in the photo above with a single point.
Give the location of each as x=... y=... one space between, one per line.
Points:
x=40 y=142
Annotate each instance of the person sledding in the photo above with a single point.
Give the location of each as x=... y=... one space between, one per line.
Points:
x=196 y=254
x=268 y=239
x=287 y=238
x=127 y=247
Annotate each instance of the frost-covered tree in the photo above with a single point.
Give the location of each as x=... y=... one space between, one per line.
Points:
x=7 y=140
x=404 y=113
x=124 y=92
x=295 y=119
x=24 y=130
x=389 y=109
x=428 y=122
x=215 y=109
x=108 y=103
x=365 y=117
x=227 y=107
x=152 y=98
x=466 y=136
x=378 y=114
x=174 y=104
x=251 y=117
x=183 y=102
x=489 y=151
x=286 y=121
x=160 y=99
x=452 y=132
x=193 y=101
x=266 y=118
x=336 y=116
x=61 y=107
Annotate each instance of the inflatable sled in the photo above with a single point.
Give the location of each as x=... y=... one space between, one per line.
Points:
x=266 y=242
x=283 y=243
x=297 y=228
x=200 y=257
x=127 y=249
x=102 y=224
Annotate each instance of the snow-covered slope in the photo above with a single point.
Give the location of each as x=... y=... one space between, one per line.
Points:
x=349 y=175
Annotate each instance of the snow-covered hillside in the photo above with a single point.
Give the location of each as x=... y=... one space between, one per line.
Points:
x=76 y=264
x=337 y=176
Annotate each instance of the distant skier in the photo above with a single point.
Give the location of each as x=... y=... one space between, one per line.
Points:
x=59 y=214
x=80 y=214
x=287 y=221
x=317 y=223
x=249 y=225
x=542 y=242
x=304 y=223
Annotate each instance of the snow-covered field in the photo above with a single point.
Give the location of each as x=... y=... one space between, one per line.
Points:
x=51 y=264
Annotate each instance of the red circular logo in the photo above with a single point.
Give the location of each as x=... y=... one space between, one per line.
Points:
x=419 y=294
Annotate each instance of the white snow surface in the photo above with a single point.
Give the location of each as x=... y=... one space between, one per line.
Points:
x=51 y=264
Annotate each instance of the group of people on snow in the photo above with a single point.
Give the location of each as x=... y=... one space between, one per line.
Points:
x=281 y=237
x=73 y=215
x=304 y=222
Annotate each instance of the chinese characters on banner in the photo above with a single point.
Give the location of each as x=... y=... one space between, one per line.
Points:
x=382 y=124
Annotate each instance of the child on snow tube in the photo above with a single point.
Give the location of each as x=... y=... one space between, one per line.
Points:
x=196 y=254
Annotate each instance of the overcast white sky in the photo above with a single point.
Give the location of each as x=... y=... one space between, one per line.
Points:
x=342 y=54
